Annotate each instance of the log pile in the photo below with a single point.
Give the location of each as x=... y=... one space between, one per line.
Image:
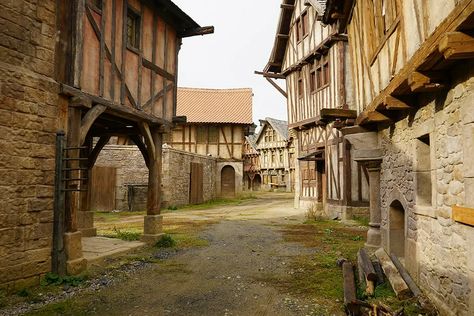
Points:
x=372 y=274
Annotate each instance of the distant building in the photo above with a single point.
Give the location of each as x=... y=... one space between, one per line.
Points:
x=217 y=122
x=252 y=177
x=277 y=155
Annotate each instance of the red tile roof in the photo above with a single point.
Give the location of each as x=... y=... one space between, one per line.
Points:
x=215 y=105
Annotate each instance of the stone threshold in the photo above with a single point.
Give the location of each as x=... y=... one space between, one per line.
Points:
x=96 y=249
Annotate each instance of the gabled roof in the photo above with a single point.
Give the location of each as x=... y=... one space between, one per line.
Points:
x=215 y=105
x=278 y=125
x=174 y=15
x=252 y=140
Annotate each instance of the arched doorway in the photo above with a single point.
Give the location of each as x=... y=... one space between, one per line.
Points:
x=397 y=229
x=228 y=181
x=257 y=182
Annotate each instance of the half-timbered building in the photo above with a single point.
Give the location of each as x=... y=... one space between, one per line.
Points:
x=412 y=64
x=276 y=154
x=252 y=178
x=313 y=58
x=114 y=64
x=217 y=122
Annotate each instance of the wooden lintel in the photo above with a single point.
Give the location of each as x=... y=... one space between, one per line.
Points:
x=392 y=103
x=89 y=119
x=113 y=108
x=457 y=45
x=426 y=82
x=205 y=30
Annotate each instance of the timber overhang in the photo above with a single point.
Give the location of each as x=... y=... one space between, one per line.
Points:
x=427 y=69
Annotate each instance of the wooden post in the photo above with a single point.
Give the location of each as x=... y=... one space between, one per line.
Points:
x=153 y=220
x=398 y=284
x=349 y=288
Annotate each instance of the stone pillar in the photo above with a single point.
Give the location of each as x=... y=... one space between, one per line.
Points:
x=153 y=225
x=374 y=240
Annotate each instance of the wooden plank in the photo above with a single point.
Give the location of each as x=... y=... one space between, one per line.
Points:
x=406 y=276
x=349 y=286
x=103 y=188
x=463 y=214
x=399 y=285
x=457 y=45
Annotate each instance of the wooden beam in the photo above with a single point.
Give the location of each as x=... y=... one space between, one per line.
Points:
x=426 y=82
x=349 y=287
x=392 y=103
x=142 y=147
x=457 y=45
x=157 y=96
x=338 y=114
x=269 y=75
x=103 y=140
x=146 y=133
x=148 y=64
x=274 y=84
x=285 y=6
x=399 y=285
x=406 y=276
x=372 y=117
x=89 y=119
x=463 y=214
x=283 y=36
x=205 y=30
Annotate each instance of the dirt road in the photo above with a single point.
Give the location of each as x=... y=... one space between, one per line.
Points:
x=228 y=277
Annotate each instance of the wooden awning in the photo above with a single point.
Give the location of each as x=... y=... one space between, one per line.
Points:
x=313 y=156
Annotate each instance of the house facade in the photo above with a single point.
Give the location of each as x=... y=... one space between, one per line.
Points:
x=412 y=69
x=314 y=60
x=217 y=121
x=275 y=150
x=252 y=178
x=91 y=69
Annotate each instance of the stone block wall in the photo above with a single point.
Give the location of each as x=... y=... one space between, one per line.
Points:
x=131 y=169
x=427 y=183
x=176 y=176
x=28 y=122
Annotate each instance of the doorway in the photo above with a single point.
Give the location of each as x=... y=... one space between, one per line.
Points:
x=397 y=229
x=257 y=182
x=228 y=181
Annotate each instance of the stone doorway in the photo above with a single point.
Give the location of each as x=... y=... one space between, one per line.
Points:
x=228 y=181
x=397 y=236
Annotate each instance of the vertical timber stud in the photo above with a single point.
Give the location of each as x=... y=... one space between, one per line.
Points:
x=72 y=238
x=78 y=40
x=153 y=225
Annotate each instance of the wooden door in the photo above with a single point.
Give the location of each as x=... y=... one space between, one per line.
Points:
x=196 y=183
x=103 y=189
x=228 y=182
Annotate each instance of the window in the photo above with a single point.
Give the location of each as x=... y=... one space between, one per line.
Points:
x=281 y=157
x=273 y=158
x=300 y=84
x=214 y=134
x=305 y=23
x=322 y=73
x=298 y=30
x=133 y=29
x=201 y=136
x=312 y=80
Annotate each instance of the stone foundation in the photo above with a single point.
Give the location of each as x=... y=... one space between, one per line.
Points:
x=428 y=167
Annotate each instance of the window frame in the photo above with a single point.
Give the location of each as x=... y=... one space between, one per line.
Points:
x=137 y=19
x=322 y=72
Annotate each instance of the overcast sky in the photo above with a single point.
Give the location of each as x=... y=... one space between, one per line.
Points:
x=242 y=43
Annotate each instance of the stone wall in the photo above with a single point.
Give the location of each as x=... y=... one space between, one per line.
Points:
x=426 y=176
x=176 y=176
x=28 y=122
x=131 y=170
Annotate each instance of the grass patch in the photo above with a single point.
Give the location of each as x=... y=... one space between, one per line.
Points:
x=114 y=216
x=317 y=276
x=166 y=241
x=362 y=220
x=130 y=234
x=54 y=279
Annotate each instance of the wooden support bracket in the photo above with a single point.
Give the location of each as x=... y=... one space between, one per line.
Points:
x=372 y=117
x=89 y=119
x=392 y=103
x=273 y=83
x=456 y=45
x=138 y=141
x=426 y=82
x=150 y=144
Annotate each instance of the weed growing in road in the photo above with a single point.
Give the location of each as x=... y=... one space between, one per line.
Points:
x=54 y=279
x=166 y=241
x=123 y=234
x=313 y=213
